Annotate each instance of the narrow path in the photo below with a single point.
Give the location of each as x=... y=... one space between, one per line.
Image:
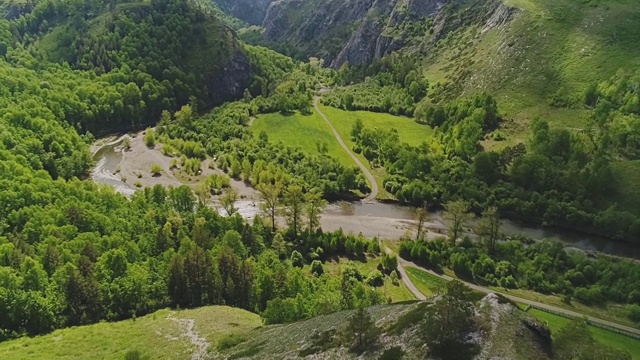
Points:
x=404 y=263
x=367 y=173
x=405 y=278
x=200 y=343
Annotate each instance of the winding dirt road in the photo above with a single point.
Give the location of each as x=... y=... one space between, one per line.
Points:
x=367 y=173
x=404 y=263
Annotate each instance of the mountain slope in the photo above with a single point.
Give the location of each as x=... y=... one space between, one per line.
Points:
x=531 y=53
x=250 y=11
x=549 y=52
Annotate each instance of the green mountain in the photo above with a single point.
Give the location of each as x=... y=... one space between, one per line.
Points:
x=174 y=52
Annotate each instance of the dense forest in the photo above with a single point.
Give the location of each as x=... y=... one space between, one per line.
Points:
x=73 y=252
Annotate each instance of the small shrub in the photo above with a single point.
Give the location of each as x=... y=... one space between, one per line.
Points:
x=296 y=259
x=321 y=342
x=127 y=143
x=248 y=352
x=316 y=267
x=150 y=138
x=133 y=355
x=394 y=278
x=375 y=278
x=156 y=170
x=137 y=184
x=230 y=341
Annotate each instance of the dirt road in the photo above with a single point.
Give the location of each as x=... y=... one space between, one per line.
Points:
x=367 y=173
x=405 y=279
x=404 y=263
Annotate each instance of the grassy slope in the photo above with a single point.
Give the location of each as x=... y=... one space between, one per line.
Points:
x=551 y=45
x=154 y=336
x=284 y=341
x=617 y=341
x=426 y=283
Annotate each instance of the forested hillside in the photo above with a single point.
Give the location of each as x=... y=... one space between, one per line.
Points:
x=147 y=57
x=74 y=253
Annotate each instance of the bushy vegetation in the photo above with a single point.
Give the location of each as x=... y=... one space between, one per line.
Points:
x=390 y=85
x=616 y=114
x=221 y=135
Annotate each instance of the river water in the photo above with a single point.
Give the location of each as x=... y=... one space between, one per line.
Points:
x=109 y=156
x=107 y=159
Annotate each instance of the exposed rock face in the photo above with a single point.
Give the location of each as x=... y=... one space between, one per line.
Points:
x=542 y=331
x=499 y=16
x=249 y=11
x=360 y=31
x=229 y=82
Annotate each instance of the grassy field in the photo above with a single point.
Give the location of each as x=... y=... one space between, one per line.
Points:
x=304 y=131
x=609 y=338
x=155 y=336
x=428 y=284
x=410 y=132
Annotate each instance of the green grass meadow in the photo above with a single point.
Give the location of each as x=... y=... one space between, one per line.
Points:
x=306 y=131
x=609 y=338
x=426 y=283
x=303 y=131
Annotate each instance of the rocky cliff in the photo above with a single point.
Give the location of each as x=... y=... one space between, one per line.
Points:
x=360 y=31
x=250 y=11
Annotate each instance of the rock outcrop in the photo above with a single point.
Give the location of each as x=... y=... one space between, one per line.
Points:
x=230 y=81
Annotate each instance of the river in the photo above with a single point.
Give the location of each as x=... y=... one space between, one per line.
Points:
x=373 y=218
